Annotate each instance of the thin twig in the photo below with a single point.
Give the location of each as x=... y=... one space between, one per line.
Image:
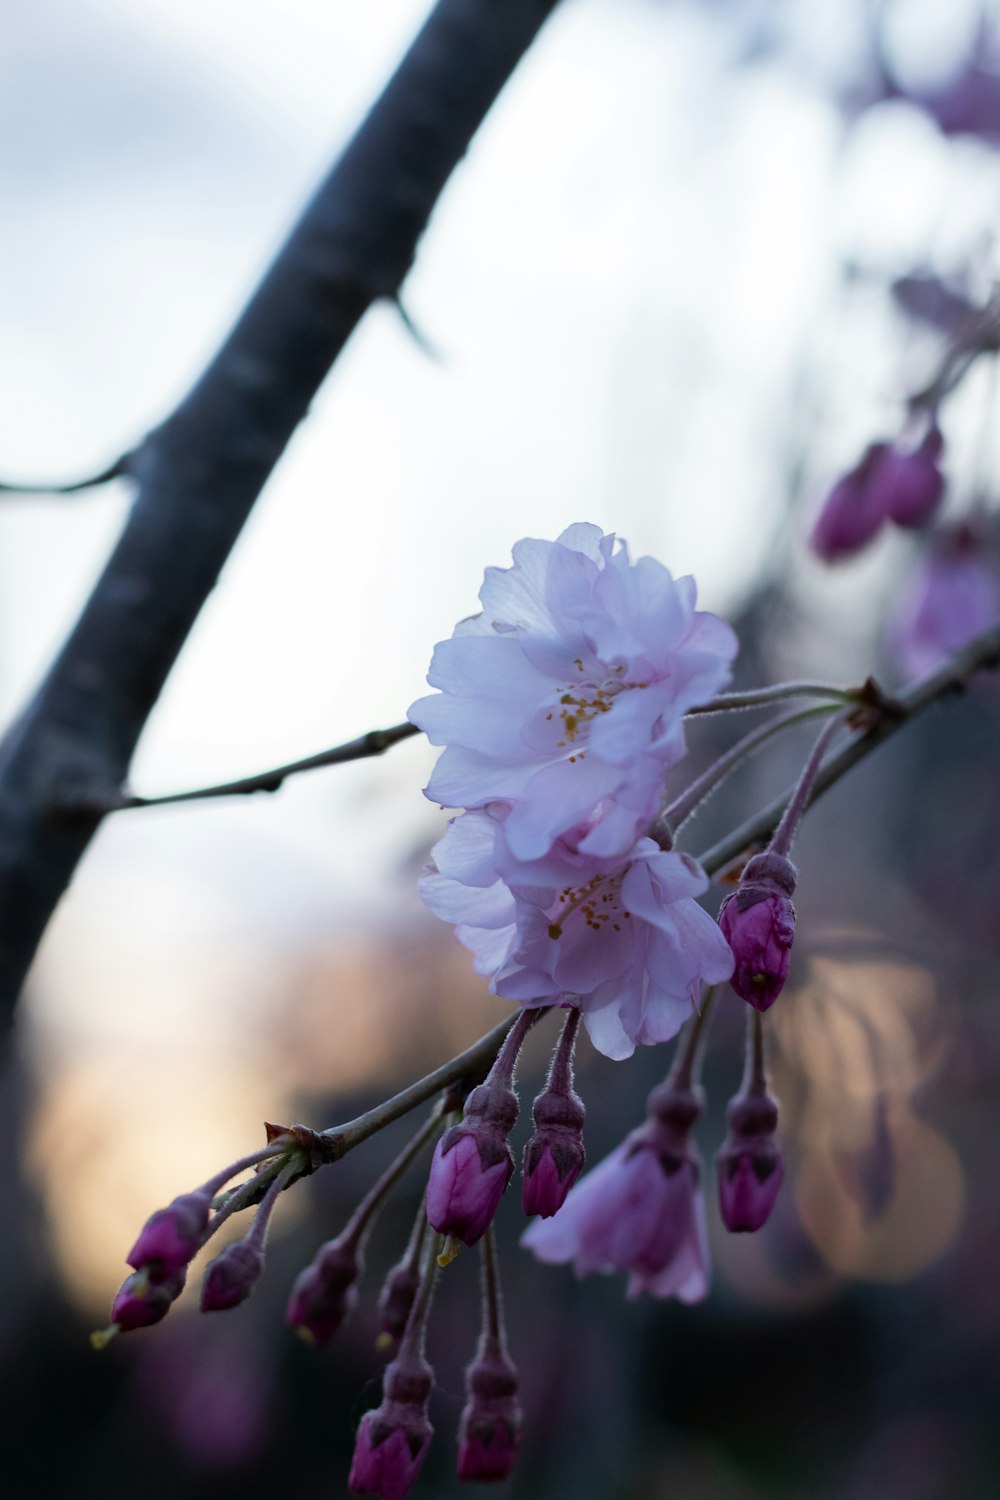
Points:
x=764 y=696
x=82 y=798
x=953 y=676
x=116 y=470
x=375 y=742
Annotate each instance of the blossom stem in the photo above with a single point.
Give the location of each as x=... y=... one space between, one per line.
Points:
x=754 y=1072
x=241 y=1197
x=673 y=817
x=265 y=1153
x=502 y=1071
x=762 y=697
x=492 y=1296
x=786 y=830
x=364 y=1215
x=687 y=1065
x=560 y=1077
x=471 y=1065
x=411 y=1345
x=257 y=1234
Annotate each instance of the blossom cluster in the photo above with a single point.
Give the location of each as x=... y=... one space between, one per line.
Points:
x=561 y=711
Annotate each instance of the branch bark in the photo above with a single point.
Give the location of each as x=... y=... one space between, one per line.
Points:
x=198 y=475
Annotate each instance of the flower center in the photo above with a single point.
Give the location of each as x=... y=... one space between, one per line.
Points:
x=581 y=702
x=599 y=901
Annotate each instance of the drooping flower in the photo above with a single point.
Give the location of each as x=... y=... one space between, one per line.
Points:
x=640 y=1210
x=956 y=596
x=758 y=920
x=564 y=699
x=625 y=941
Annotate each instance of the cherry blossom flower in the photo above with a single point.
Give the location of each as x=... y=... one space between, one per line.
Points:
x=564 y=699
x=623 y=940
x=640 y=1210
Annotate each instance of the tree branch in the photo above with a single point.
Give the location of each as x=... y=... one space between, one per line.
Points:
x=199 y=474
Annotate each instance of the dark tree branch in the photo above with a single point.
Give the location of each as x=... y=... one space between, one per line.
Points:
x=199 y=474
x=116 y=470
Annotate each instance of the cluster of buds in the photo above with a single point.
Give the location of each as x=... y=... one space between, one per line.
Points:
x=641 y=1210
x=473 y=1163
x=892 y=482
x=172 y=1236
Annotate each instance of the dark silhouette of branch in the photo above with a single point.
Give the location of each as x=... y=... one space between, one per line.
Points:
x=198 y=475
x=116 y=470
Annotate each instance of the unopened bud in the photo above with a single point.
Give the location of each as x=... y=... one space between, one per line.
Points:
x=472 y=1165
x=910 y=483
x=555 y=1154
x=749 y=1168
x=231 y=1277
x=325 y=1292
x=172 y=1236
x=392 y=1441
x=852 y=512
x=142 y=1300
x=396 y=1301
x=490 y=1430
x=758 y=922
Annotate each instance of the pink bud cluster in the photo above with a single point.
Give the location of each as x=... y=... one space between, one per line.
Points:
x=890 y=483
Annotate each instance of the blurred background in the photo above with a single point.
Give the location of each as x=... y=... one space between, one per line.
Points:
x=668 y=294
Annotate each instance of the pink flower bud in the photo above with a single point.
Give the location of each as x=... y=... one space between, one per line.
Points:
x=749 y=1168
x=758 y=922
x=325 y=1293
x=396 y=1300
x=490 y=1430
x=143 y=1300
x=852 y=512
x=172 y=1236
x=392 y=1441
x=231 y=1277
x=463 y=1193
x=910 y=484
x=472 y=1165
x=554 y=1156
